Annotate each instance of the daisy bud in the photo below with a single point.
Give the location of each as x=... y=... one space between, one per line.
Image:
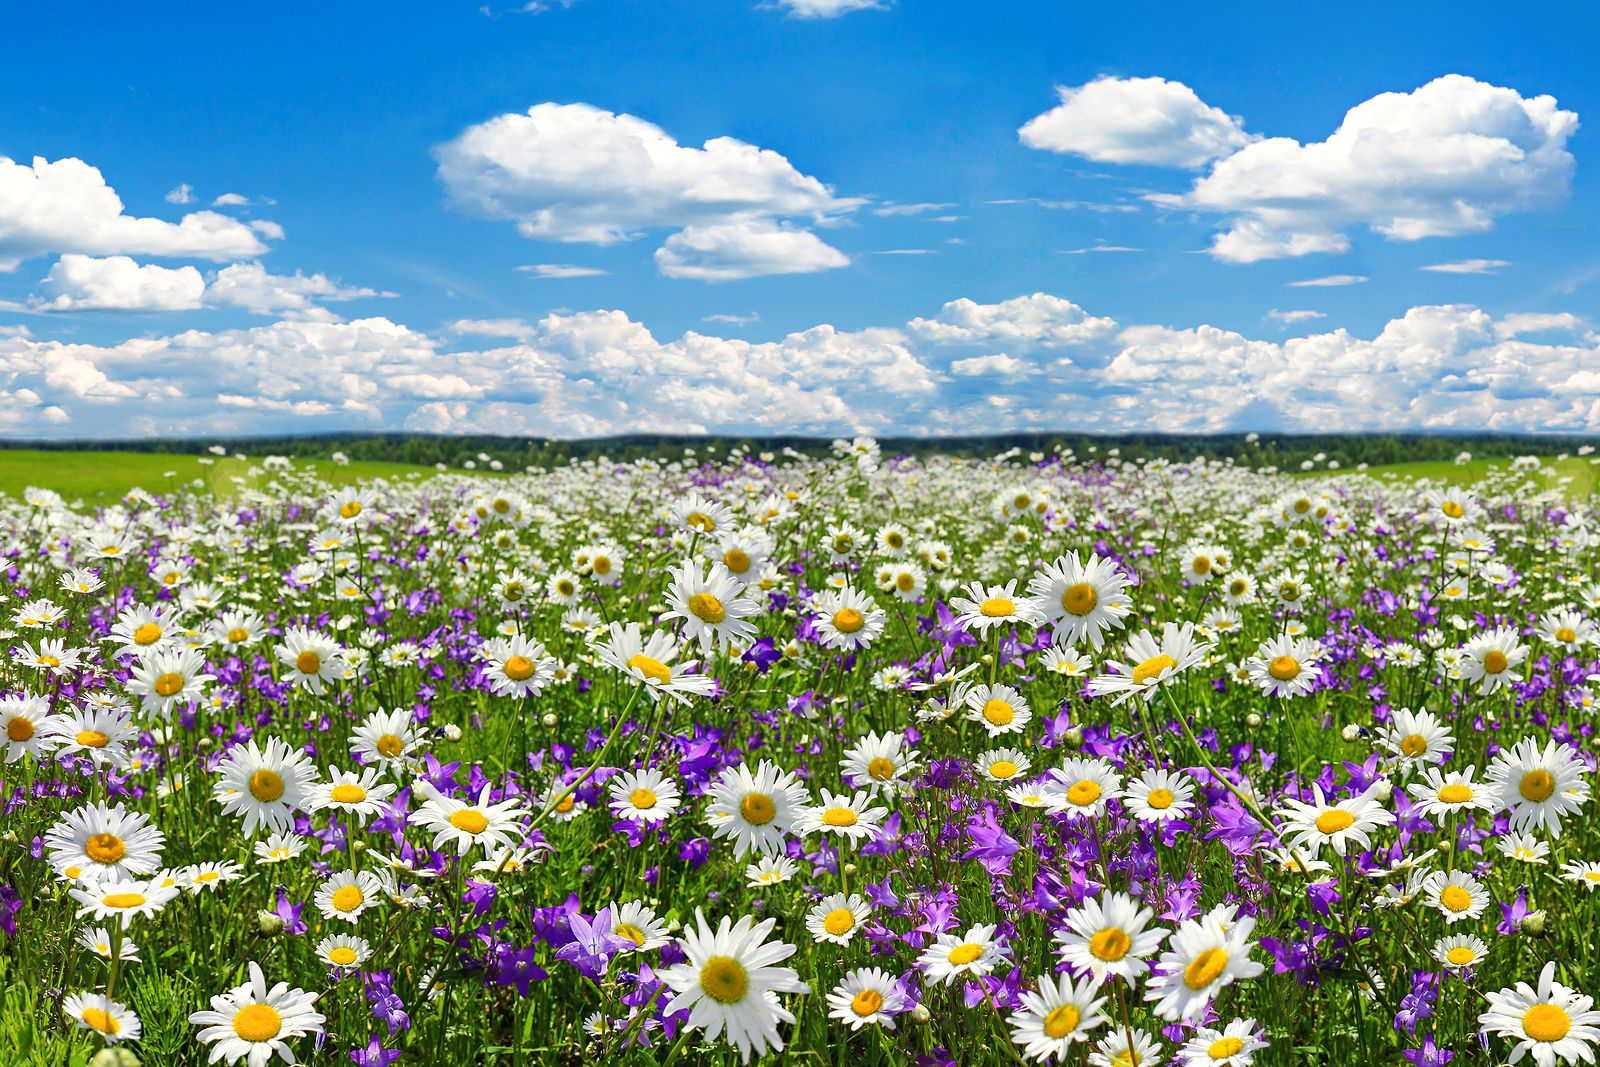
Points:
x=114 y=1057
x=1384 y=790
x=358 y=846
x=655 y=609
x=1252 y=720
x=548 y=718
x=921 y=1014
x=205 y=744
x=849 y=868
x=1351 y=733
x=452 y=733
x=1533 y=922
x=986 y=659
x=1073 y=738
x=269 y=921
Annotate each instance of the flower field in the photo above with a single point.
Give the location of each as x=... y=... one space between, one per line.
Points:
x=863 y=760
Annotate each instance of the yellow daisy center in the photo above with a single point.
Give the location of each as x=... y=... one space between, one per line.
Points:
x=998 y=713
x=1205 y=968
x=347 y=898
x=1084 y=793
x=1413 y=745
x=736 y=560
x=848 y=620
x=343 y=956
x=867 y=1002
x=346 y=793
x=123 y=901
x=707 y=608
x=1460 y=956
x=1224 y=1047
x=1334 y=820
x=105 y=848
x=1151 y=668
x=1455 y=793
x=92 y=739
x=237 y=634
x=1495 y=662
x=1455 y=898
x=390 y=745
x=840 y=817
x=1061 y=1021
x=100 y=1020
x=642 y=798
x=1537 y=785
x=1160 y=799
x=1452 y=509
x=839 y=921
x=1002 y=768
x=266 y=785
x=724 y=979
x=758 y=809
x=700 y=521
x=964 y=954
x=168 y=684
x=308 y=662
x=1110 y=944
x=470 y=821
x=19 y=729
x=147 y=634
x=1284 y=668
x=652 y=669
x=259 y=1022
x=880 y=769
x=631 y=932
x=1546 y=1022
x=350 y=509
x=997 y=607
x=518 y=668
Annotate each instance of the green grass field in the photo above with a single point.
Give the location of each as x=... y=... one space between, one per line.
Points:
x=103 y=477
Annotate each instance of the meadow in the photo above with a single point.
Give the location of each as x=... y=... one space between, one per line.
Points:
x=865 y=759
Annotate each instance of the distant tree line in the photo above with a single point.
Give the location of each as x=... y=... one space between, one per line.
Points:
x=1285 y=451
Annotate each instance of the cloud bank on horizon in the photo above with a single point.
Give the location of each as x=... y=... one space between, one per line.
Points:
x=602 y=200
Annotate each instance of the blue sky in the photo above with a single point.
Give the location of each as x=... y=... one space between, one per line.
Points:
x=389 y=158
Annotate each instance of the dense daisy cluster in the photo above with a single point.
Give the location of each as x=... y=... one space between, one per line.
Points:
x=878 y=759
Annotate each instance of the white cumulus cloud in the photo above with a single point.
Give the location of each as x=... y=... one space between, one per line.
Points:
x=66 y=206
x=117 y=283
x=252 y=287
x=826 y=9
x=1035 y=320
x=1136 y=120
x=735 y=250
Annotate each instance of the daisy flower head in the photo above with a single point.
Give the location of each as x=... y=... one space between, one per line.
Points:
x=254 y=1023
x=1235 y=1045
x=122 y=898
x=111 y=1020
x=712 y=605
x=1549 y=1020
x=279 y=847
x=1335 y=823
x=199 y=877
x=264 y=784
x=649 y=662
x=103 y=841
x=729 y=985
x=21 y=718
x=516 y=666
x=340 y=951
x=999 y=709
x=646 y=796
x=1109 y=935
x=953 y=956
x=1446 y=794
x=1524 y=848
x=836 y=917
x=1460 y=952
x=1082 y=786
x=1125 y=1047
x=1204 y=956
x=140 y=629
x=1458 y=896
x=879 y=762
x=639 y=924
x=358 y=795
x=849 y=816
x=1056 y=1016
x=847 y=618
x=385 y=737
x=1081 y=601
x=1004 y=765
x=167 y=677
x=698 y=514
x=100 y=733
x=983 y=607
x=1159 y=796
x=347 y=895
x=312 y=659
x=1417 y=737
x=769 y=871
x=867 y=996
x=755 y=810
x=1286 y=666
x=1491 y=658
x=97 y=939
x=1539 y=786
x=463 y=824
x=1151 y=662
x=1585 y=873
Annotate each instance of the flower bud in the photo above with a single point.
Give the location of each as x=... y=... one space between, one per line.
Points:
x=548 y=718
x=1073 y=738
x=114 y=1057
x=452 y=733
x=921 y=1014
x=1533 y=922
x=1252 y=720
x=270 y=922
x=1351 y=733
